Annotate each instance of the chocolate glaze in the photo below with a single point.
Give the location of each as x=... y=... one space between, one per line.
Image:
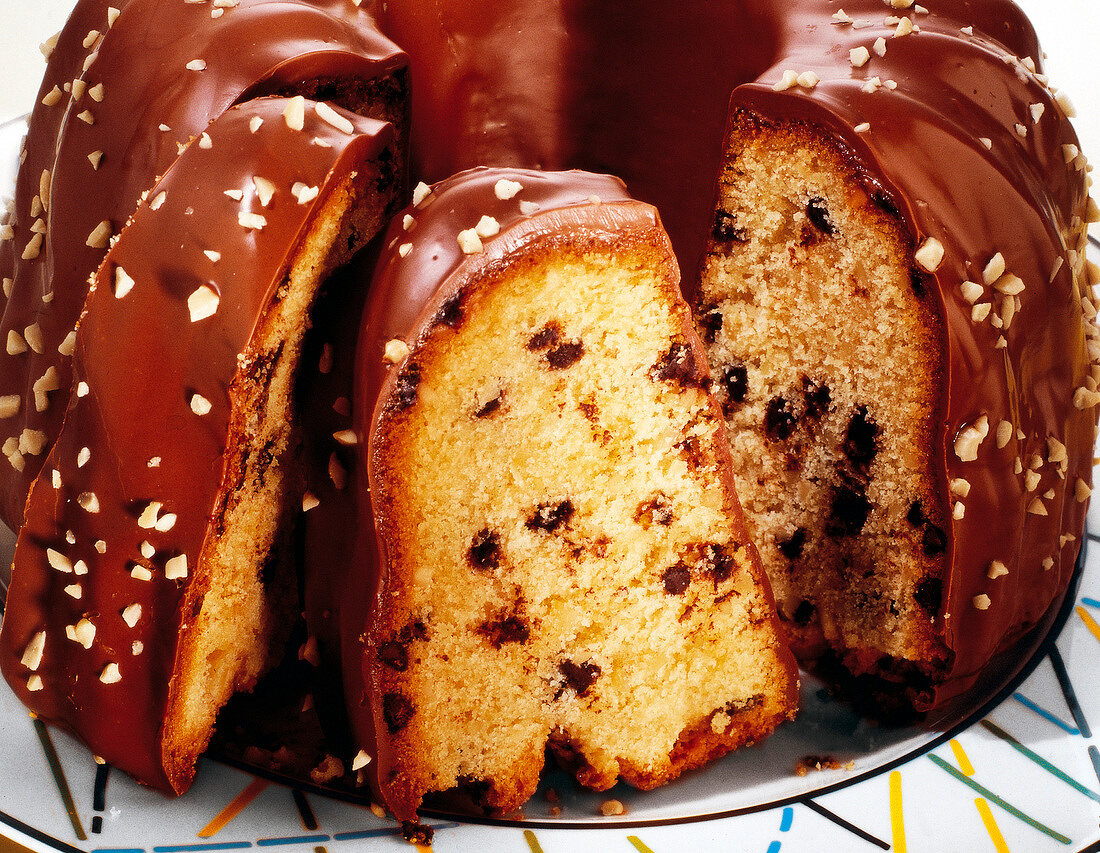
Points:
x=257 y=47
x=142 y=357
x=403 y=302
x=641 y=90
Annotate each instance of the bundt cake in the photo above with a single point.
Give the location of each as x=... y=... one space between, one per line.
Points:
x=147 y=583
x=882 y=237
x=541 y=540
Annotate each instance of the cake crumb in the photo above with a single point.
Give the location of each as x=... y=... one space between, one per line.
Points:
x=612 y=808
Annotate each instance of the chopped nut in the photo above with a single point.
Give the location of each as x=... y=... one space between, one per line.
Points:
x=123 y=283
x=469 y=241
x=34 y=683
x=68 y=346
x=82 y=632
x=9 y=405
x=132 y=614
x=879 y=47
x=304 y=194
x=337 y=473
x=158 y=200
x=505 y=189
x=611 y=808
x=396 y=350
x=200 y=405
x=960 y=487
x=487 y=227
x=404 y=249
x=930 y=255
x=265 y=190
x=295 y=113
x=528 y=208
x=16 y=344
x=32 y=654
x=309 y=501
x=59 y=561
x=52 y=98
x=176 y=567
x=1056 y=451
x=971 y=291
x=328 y=115
x=959 y=511
x=1031 y=480
x=203 y=303
x=110 y=674
x=996 y=570
x=1009 y=284
x=74 y=590
x=859 y=56
x=982 y=602
x=788 y=81
x=1081 y=490
x=140 y=573
x=1083 y=398
x=808 y=79
x=196 y=65
x=969 y=439
x=420 y=193
x=1004 y=434
x=1036 y=507
x=254 y=221
x=361 y=760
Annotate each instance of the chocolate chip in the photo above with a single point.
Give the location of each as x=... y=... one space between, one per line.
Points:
x=849 y=511
x=565 y=355
x=792 y=548
x=816 y=396
x=735 y=379
x=545 y=337
x=861 y=439
x=579 y=676
x=934 y=540
x=510 y=629
x=726 y=230
x=550 y=516
x=490 y=407
x=779 y=419
x=929 y=595
x=404 y=392
x=676 y=579
x=484 y=550
x=397 y=710
x=818 y=214
x=394 y=654
x=654 y=510
x=916 y=514
x=804 y=613
x=679 y=365
x=450 y=312
x=710 y=321
x=716 y=563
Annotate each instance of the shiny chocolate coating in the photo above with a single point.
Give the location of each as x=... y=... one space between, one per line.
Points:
x=131 y=89
x=950 y=124
x=109 y=566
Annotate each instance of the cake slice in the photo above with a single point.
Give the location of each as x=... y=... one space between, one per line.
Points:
x=549 y=550
x=147 y=583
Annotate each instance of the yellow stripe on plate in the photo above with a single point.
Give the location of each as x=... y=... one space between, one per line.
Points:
x=897 y=821
x=1090 y=623
x=960 y=756
x=991 y=826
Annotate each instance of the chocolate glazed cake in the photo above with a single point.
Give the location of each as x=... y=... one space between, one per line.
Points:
x=147 y=583
x=538 y=541
x=894 y=287
x=128 y=83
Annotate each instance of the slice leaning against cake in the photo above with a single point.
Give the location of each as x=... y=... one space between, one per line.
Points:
x=542 y=540
x=146 y=584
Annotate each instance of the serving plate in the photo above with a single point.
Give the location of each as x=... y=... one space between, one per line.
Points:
x=1016 y=768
